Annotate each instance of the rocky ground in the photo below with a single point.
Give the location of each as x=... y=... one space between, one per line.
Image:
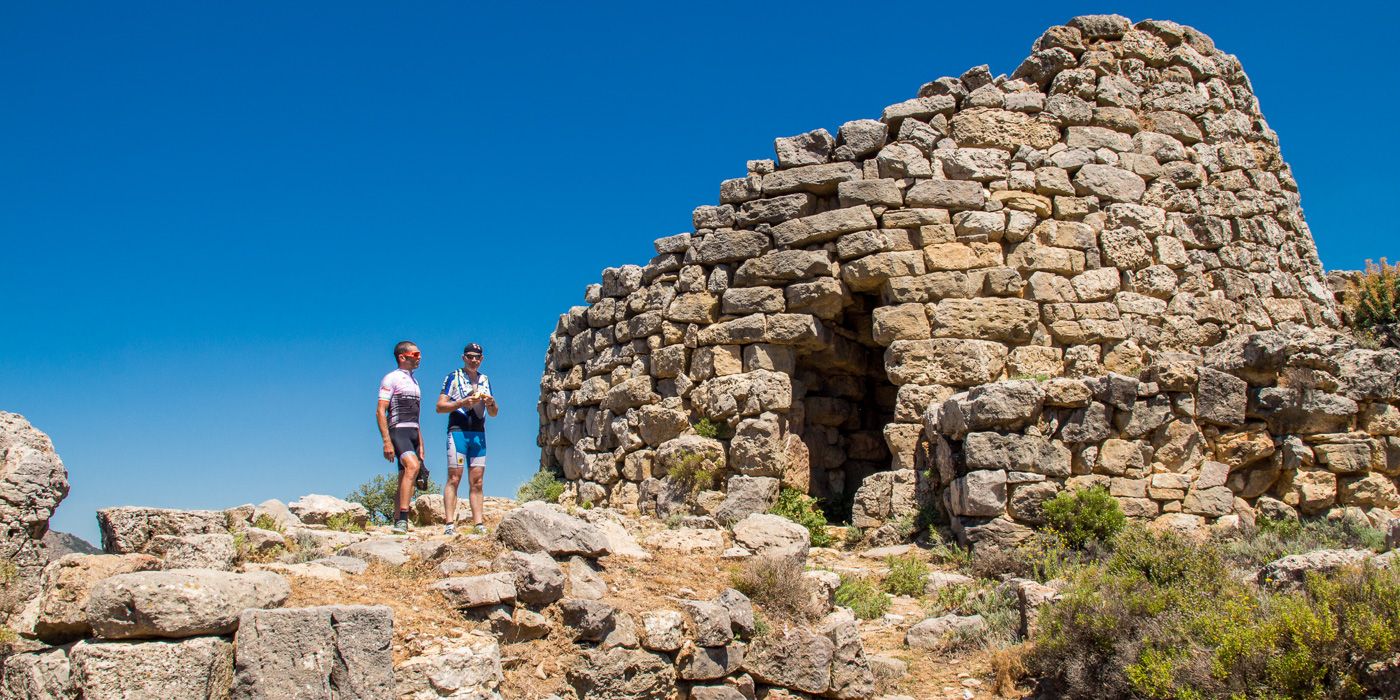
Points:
x=268 y=601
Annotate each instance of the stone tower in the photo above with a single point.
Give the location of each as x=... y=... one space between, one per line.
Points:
x=1114 y=205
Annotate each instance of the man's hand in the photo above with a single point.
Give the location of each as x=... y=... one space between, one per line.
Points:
x=388 y=451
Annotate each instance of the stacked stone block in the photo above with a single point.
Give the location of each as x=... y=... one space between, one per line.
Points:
x=1117 y=197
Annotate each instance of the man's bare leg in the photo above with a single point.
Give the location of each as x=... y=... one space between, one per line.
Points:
x=478 y=476
x=449 y=493
x=406 y=477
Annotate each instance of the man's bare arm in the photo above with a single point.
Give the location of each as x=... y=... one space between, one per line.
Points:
x=381 y=416
x=446 y=405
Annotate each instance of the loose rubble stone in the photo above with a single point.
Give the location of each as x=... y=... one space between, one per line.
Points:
x=538 y=579
x=623 y=674
x=478 y=591
x=40 y=675
x=545 y=527
x=1290 y=570
x=181 y=603
x=935 y=632
x=467 y=672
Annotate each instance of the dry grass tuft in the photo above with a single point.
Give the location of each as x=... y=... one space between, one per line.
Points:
x=1008 y=668
x=776 y=585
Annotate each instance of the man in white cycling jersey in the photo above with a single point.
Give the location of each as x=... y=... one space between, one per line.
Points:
x=397 y=415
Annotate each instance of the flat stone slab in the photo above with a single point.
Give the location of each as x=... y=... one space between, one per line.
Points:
x=331 y=651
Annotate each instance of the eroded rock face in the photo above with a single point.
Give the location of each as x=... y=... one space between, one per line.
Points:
x=130 y=529
x=66 y=585
x=316 y=509
x=471 y=671
x=32 y=483
x=623 y=674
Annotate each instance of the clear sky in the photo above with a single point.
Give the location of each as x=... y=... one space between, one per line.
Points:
x=216 y=219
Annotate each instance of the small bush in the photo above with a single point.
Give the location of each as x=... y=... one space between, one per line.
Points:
x=344 y=522
x=1374 y=297
x=803 y=510
x=776 y=585
x=1084 y=516
x=908 y=575
x=694 y=472
x=267 y=522
x=851 y=536
x=377 y=496
x=863 y=597
x=950 y=553
x=543 y=486
x=706 y=428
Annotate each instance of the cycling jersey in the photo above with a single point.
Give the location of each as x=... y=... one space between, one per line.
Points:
x=400 y=389
x=458 y=386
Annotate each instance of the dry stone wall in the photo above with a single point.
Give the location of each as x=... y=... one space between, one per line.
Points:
x=1116 y=197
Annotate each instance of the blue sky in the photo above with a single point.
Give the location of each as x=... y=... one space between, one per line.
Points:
x=217 y=219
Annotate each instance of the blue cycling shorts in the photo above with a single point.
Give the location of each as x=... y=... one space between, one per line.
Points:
x=466 y=449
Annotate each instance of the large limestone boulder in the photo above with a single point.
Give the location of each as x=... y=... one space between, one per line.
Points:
x=477 y=591
x=936 y=632
x=546 y=527
x=316 y=509
x=66 y=584
x=277 y=513
x=322 y=652
x=766 y=534
x=32 y=483
x=198 y=669
x=129 y=529
x=746 y=495
x=471 y=671
x=180 y=603
x=538 y=578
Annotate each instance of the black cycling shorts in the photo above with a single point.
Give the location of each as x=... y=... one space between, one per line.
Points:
x=405 y=442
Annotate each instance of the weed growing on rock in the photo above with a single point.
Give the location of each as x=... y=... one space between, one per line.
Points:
x=693 y=472
x=863 y=597
x=543 y=486
x=267 y=522
x=908 y=575
x=776 y=585
x=1084 y=516
x=1373 y=302
x=343 y=522
x=706 y=428
x=803 y=510
x=9 y=573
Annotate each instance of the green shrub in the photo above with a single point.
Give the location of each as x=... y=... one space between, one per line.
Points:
x=694 y=472
x=1161 y=617
x=863 y=597
x=1374 y=297
x=706 y=428
x=776 y=585
x=543 y=486
x=377 y=496
x=951 y=553
x=267 y=522
x=344 y=522
x=1042 y=557
x=1084 y=516
x=908 y=575
x=803 y=510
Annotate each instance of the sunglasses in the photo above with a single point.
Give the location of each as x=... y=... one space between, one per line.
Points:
x=472 y=357
x=415 y=353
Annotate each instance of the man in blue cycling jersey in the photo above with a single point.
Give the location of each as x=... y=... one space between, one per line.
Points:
x=466 y=398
